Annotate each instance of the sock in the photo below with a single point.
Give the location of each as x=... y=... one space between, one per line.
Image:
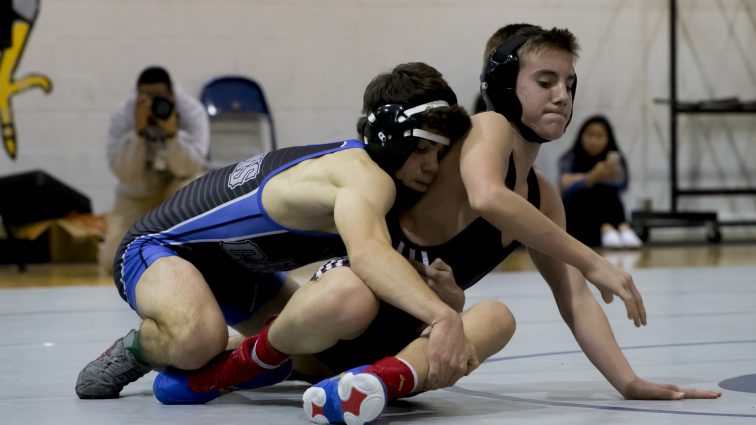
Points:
x=399 y=376
x=265 y=354
x=131 y=343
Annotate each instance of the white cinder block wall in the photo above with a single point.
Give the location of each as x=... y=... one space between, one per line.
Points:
x=314 y=57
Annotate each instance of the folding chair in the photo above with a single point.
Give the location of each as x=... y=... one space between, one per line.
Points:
x=240 y=122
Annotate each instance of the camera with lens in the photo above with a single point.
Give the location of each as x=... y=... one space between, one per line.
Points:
x=161 y=107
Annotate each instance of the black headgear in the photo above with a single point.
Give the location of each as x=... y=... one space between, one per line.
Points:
x=391 y=134
x=498 y=84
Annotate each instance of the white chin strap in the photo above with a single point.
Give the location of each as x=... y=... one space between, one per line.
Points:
x=423 y=134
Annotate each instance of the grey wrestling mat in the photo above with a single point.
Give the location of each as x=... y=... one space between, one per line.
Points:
x=701 y=332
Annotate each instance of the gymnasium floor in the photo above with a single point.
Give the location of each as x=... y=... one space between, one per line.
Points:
x=701 y=302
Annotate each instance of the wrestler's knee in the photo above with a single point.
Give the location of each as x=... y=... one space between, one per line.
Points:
x=191 y=330
x=346 y=302
x=197 y=339
x=498 y=318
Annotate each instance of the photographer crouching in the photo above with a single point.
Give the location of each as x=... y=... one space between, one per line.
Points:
x=157 y=142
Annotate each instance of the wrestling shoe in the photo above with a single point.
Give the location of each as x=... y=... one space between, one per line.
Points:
x=230 y=371
x=106 y=376
x=354 y=398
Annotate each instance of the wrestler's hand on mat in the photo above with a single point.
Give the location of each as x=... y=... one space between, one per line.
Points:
x=610 y=281
x=450 y=354
x=439 y=277
x=640 y=389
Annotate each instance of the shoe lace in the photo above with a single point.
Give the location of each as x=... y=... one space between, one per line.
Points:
x=105 y=354
x=114 y=368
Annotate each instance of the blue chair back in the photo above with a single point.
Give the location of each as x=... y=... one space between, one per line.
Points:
x=233 y=94
x=231 y=97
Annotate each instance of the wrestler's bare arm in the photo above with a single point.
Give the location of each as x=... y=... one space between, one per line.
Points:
x=585 y=317
x=484 y=164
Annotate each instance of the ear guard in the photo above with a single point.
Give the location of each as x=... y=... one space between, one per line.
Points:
x=391 y=133
x=498 y=83
x=391 y=123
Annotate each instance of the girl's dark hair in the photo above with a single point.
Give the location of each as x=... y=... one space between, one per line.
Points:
x=582 y=161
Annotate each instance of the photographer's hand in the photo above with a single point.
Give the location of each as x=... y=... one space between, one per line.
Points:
x=169 y=125
x=142 y=113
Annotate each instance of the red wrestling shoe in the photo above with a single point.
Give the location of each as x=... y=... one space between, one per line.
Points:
x=230 y=371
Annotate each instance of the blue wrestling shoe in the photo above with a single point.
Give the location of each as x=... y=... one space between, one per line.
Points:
x=230 y=371
x=354 y=398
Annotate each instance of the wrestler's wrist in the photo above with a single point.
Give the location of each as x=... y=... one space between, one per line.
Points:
x=624 y=383
x=446 y=316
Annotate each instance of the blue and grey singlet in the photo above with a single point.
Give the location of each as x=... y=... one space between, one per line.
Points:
x=218 y=221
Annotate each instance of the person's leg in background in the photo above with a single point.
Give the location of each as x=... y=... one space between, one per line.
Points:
x=613 y=215
x=175 y=184
x=126 y=211
x=582 y=218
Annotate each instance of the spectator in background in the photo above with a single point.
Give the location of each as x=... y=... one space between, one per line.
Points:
x=157 y=142
x=591 y=176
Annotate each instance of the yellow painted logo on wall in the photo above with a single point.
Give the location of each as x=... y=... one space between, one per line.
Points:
x=16 y=21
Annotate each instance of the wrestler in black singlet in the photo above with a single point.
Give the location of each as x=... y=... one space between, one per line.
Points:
x=472 y=254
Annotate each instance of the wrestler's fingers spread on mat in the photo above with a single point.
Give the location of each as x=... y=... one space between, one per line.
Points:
x=694 y=393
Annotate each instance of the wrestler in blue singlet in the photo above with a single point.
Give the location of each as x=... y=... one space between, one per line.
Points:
x=218 y=223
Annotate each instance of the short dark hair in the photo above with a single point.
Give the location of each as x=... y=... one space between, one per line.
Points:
x=557 y=38
x=505 y=33
x=154 y=75
x=412 y=84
